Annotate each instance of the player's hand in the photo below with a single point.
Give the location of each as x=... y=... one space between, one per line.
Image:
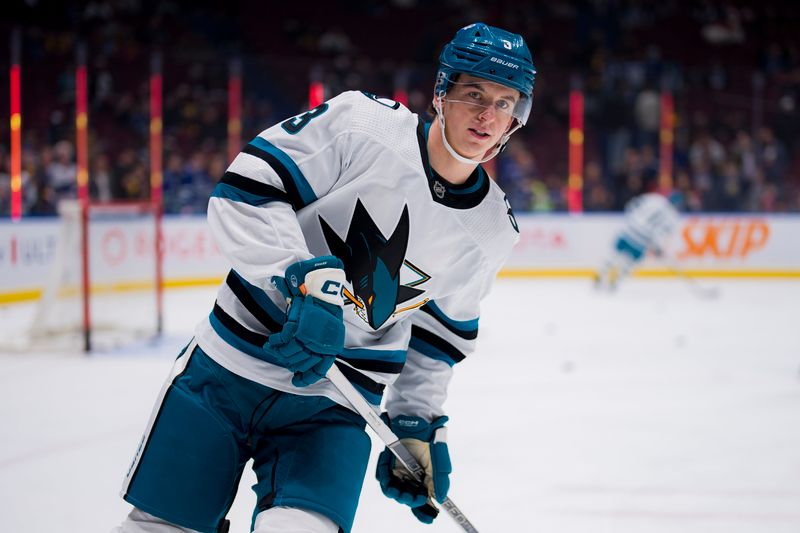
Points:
x=427 y=442
x=313 y=334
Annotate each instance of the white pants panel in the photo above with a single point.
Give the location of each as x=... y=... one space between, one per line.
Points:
x=141 y=522
x=291 y=520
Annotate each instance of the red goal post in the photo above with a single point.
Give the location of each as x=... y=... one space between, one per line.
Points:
x=119 y=212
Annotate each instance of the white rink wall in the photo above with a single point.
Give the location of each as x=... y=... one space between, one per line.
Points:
x=558 y=245
x=708 y=245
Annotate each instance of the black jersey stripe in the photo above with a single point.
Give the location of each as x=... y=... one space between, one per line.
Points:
x=253 y=187
x=373 y=365
x=249 y=302
x=237 y=329
x=357 y=378
x=437 y=343
x=283 y=173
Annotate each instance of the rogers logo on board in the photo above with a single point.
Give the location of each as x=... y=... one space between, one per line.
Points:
x=541 y=238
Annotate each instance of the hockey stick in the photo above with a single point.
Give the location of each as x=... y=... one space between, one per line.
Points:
x=388 y=437
x=704 y=292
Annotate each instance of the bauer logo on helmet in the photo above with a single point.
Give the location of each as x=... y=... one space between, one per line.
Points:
x=504 y=63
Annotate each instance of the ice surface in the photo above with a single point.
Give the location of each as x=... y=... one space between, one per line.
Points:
x=645 y=411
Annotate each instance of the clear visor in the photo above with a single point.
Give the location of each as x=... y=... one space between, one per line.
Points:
x=485 y=94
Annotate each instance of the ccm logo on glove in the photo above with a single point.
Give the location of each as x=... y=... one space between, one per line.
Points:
x=314 y=331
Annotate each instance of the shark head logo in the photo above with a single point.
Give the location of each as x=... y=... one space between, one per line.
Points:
x=372 y=264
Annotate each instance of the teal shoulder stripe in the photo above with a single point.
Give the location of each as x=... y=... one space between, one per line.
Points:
x=371 y=397
x=228 y=192
x=389 y=356
x=234 y=340
x=303 y=187
x=465 y=326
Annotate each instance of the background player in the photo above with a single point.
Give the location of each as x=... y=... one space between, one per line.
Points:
x=650 y=219
x=362 y=236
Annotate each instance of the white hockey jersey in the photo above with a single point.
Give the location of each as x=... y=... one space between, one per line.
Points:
x=650 y=219
x=351 y=178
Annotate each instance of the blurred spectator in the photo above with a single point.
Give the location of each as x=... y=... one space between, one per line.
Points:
x=61 y=171
x=730 y=188
x=744 y=153
x=630 y=181
x=648 y=116
x=101 y=184
x=614 y=122
x=772 y=156
x=596 y=196
x=173 y=183
x=516 y=173
x=737 y=141
x=135 y=182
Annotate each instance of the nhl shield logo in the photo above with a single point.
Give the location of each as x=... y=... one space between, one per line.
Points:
x=438 y=189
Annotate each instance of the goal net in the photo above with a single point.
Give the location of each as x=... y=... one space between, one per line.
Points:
x=104 y=288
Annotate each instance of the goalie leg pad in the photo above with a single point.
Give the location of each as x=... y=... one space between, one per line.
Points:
x=190 y=462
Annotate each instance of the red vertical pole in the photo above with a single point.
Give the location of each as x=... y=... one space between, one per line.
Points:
x=234 y=108
x=666 y=141
x=157 y=180
x=316 y=89
x=82 y=148
x=316 y=94
x=576 y=136
x=16 y=127
x=81 y=123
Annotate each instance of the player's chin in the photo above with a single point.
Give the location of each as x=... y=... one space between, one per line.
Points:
x=474 y=149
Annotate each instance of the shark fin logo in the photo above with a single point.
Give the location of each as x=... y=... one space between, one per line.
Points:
x=372 y=264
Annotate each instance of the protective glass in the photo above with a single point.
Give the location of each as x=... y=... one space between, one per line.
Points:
x=481 y=94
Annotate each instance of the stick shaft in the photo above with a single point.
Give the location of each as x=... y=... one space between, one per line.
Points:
x=384 y=432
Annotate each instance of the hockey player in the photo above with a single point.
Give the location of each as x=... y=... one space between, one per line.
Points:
x=359 y=235
x=650 y=219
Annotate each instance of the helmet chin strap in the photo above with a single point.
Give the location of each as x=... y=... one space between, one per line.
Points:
x=458 y=157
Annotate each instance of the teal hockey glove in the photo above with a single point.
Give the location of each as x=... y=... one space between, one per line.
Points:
x=313 y=334
x=428 y=444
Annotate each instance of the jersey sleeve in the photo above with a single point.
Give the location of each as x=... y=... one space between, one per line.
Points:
x=652 y=219
x=252 y=210
x=443 y=333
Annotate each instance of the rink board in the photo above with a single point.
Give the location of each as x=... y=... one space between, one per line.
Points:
x=550 y=246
